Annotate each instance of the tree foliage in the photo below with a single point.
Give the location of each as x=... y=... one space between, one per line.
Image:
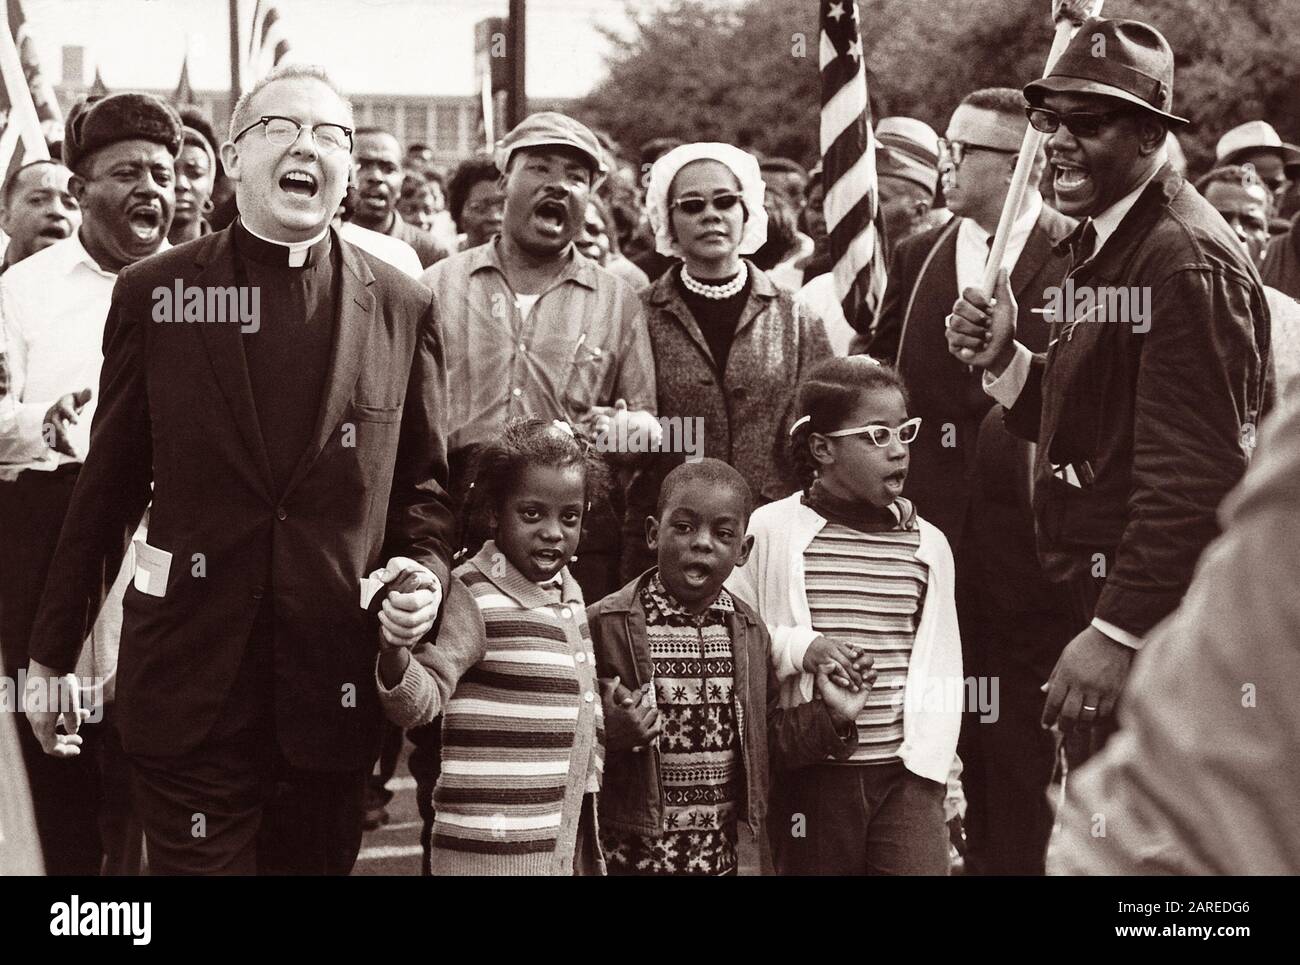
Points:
x=747 y=74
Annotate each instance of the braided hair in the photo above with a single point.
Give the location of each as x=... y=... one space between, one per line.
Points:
x=826 y=397
x=497 y=467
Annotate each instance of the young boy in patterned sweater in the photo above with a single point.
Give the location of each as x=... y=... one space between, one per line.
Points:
x=690 y=694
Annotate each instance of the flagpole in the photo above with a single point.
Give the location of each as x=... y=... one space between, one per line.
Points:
x=1029 y=148
x=236 y=87
x=22 y=110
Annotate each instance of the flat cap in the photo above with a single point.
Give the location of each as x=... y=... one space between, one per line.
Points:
x=549 y=128
x=98 y=122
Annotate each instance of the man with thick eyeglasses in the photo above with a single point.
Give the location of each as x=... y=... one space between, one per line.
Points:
x=287 y=460
x=1144 y=416
x=969 y=476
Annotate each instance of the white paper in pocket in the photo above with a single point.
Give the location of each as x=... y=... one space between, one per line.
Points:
x=152 y=567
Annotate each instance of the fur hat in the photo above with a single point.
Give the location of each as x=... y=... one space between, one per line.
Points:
x=98 y=122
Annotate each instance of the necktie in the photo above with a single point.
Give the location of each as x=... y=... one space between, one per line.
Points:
x=1082 y=244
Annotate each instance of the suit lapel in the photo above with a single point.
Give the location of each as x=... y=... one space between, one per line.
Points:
x=356 y=316
x=1035 y=255
x=226 y=353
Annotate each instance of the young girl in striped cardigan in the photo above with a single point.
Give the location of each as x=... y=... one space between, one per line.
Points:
x=843 y=567
x=512 y=671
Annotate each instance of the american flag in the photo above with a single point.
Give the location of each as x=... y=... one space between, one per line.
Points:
x=27 y=103
x=268 y=45
x=849 y=167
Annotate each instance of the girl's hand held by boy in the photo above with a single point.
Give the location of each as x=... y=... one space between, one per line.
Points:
x=847 y=665
x=980 y=330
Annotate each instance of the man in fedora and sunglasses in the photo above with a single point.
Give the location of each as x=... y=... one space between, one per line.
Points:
x=1145 y=404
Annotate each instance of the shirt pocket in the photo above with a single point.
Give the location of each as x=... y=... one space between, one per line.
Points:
x=587 y=383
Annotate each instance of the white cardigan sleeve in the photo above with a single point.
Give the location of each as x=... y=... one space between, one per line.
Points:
x=764 y=583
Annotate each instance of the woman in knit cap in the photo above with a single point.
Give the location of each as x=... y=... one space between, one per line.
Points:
x=729 y=345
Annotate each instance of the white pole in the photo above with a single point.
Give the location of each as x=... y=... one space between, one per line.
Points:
x=1029 y=148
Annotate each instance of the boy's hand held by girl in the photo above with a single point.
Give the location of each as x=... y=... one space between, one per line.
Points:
x=846 y=665
x=631 y=717
x=844 y=703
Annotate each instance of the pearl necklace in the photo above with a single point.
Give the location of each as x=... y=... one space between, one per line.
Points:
x=718 y=292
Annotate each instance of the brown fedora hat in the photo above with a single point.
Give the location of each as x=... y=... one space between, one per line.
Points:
x=1124 y=59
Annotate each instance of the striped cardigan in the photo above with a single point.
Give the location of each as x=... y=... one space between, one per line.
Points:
x=513 y=674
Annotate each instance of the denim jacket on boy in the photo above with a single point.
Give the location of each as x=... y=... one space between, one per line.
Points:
x=631 y=797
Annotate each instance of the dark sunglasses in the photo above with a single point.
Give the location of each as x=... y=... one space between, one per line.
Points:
x=1078 y=123
x=721 y=202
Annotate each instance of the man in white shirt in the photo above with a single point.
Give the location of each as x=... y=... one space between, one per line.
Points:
x=121 y=151
x=1145 y=405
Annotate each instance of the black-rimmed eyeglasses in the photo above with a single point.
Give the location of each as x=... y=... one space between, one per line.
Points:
x=283 y=131
x=956 y=151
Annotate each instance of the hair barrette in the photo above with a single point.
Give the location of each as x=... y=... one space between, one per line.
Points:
x=798 y=422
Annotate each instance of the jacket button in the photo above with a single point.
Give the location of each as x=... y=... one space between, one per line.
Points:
x=588 y=696
x=566 y=613
x=281 y=515
x=579 y=657
x=259 y=592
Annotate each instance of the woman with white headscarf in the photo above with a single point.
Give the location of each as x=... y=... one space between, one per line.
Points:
x=730 y=347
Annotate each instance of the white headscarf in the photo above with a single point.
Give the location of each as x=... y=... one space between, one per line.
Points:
x=741 y=163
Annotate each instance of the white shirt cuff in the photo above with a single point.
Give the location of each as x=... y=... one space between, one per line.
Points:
x=1115 y=633
x=1006 y=388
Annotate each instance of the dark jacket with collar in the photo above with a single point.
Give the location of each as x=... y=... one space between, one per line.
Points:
x=1157 y=422
x=946 y=479
x=631 y=797
x=1281 y=268
x=177 y=423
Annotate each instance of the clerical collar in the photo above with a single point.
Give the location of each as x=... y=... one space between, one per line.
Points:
x=295 y=254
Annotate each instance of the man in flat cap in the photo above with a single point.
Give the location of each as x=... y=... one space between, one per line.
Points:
x=533 y=328
x=279 y=393
x=121 y=151
x=1145 y=405
x=1013 y=623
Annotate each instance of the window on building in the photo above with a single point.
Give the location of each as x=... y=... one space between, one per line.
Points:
x=449 y=128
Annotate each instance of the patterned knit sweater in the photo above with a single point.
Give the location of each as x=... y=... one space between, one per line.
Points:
x=513 y=675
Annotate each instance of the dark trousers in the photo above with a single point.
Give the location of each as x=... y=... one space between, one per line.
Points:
x=1009 y=817
x=234 y=804
x=425 y=763
x=82 y=804
x=238 y=807
x=860 y=819
x=390 y=749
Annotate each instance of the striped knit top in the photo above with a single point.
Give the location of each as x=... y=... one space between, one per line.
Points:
x=522 y=732
x=867 y=589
